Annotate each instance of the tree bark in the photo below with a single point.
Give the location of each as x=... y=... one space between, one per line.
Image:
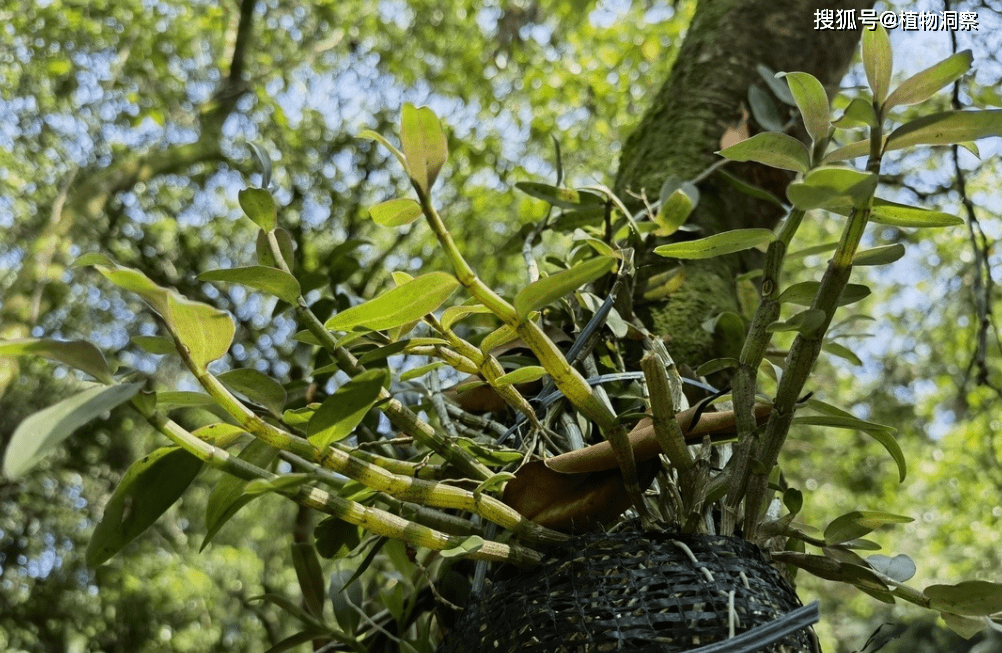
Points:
x=705 y=94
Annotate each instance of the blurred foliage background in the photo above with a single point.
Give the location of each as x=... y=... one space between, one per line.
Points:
x=124 y=128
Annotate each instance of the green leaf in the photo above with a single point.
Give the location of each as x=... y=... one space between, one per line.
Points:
x=77 y=354
x=345 y=595
x=879 y=255
x=921 y=86
x=227 y=496
x=256 y=386
x=454 y=314
x=858 y=523
x=267 y=279
x=750 y=189
x=850 y=151
x=763 y=109
x=900 y=568
x=678 y=199
x=806 y=322
x=966 y=627
x=418 y=372
x=396 y=212
x=204 y=330
x=877 y=62
x=548 y=289
x=564 y=198
x=336 y=538
x=717 y=364
x=717 y=245
x=341 y=412
x=947 y=128
x=182 y=398
x=405 y=303
x=793 y=499
x=971 y=598
x=423 y=143
x=500 y=336
x=160 y=345
x=812 y=101
x=150 y=486
x=803 y=293
x=776 y=85
x=829 y=187
x=901 y=215
x=842 y=352
x=859 y=113
x=310 y=577
x=470 y=545
x=526 y=374
x=772 y=149
x=259 y=206
x=39 y=433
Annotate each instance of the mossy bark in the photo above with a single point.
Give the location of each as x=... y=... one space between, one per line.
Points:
x=705 y=94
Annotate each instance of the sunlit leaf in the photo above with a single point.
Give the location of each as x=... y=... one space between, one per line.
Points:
x=395 y=212
x=341 y=412
x=678 y=199
x=859 y=113
x=772 y=149
x=947 y=128
x=78 y=354
x=921 y=86
x=549 y=289
x=259 y=206
x=271 y=280
x=150 y=486
x=830 y=187
x=812 y=101
x=379 y=138
x=401 y=305
x=901 y=215
x=423 y=143
x=160 y=345
x=877 y=61
x=727 y=242
x=842 y=352
x=39 y=433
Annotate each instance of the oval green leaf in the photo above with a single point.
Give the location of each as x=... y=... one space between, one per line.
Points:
x=341 y=412
x=526 y=374
x=423 y=143
x=396 y=212
x=803 y=293
x=717 y=245
x=150 y=486
x=271 y=280
x=405 y=303
x=259 y=206
x=772 y=149
x=921 y=86
x=859 y=113
x=879 y=255
x=38 y=434
x=812 y=101
x=78 y=354
x=548 y=289
x=971 y=598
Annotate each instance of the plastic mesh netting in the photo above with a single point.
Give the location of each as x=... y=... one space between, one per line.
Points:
x=630 y=591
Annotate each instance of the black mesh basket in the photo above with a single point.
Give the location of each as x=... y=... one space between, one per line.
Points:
x=633 y=591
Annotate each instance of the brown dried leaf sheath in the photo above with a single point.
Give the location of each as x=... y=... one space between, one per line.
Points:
x=581 y=488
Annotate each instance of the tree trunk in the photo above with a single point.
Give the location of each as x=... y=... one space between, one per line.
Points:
x=705 y=94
